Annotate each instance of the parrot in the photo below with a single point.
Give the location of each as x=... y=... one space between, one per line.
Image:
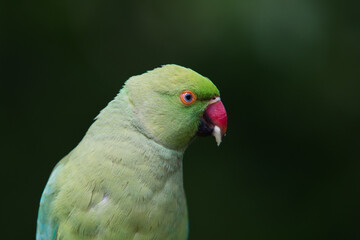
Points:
x=124 y=180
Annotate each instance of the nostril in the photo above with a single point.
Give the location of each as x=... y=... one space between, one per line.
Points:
x=214 y=99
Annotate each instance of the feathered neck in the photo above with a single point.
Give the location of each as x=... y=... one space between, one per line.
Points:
x=117 y=124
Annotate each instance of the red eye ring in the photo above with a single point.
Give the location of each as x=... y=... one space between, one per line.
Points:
x=187 y=97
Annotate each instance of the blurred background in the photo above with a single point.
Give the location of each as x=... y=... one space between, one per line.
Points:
x=288 y=71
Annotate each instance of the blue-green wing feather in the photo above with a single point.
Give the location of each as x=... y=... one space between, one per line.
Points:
x=46 y=224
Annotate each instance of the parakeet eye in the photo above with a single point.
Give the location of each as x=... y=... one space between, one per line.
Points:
x=187 y=97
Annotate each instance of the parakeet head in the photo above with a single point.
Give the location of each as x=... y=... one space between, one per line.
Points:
x=173 y=104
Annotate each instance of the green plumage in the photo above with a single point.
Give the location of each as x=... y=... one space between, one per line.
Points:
x=124 y=179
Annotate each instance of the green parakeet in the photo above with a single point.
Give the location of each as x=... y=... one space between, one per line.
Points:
x=124 y=179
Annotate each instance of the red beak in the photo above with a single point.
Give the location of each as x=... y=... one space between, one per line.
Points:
x=217 y=115
x=214 y=121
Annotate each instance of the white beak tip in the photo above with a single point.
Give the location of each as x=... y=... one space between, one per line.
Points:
x=217 y=134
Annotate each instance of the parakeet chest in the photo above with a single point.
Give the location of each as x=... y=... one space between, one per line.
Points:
x=147 y=209
x=123 y=198
x=161 y=214
x=160 y=204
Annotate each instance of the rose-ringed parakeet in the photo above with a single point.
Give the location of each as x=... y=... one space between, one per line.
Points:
x=124 y=179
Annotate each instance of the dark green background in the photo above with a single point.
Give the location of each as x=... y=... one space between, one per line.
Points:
x=288 y=72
